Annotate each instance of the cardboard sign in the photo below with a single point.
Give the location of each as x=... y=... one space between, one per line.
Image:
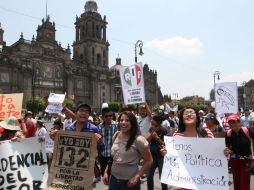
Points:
x=132 y=80
x=23 y=164
x=226 y=97
x=10 y=105
x=195 y=163
x=73 y=161
x=56 y=98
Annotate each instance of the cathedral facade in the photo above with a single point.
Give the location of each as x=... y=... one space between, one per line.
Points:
x=39 y=66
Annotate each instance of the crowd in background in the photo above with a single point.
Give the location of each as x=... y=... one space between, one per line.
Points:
x=130 y=145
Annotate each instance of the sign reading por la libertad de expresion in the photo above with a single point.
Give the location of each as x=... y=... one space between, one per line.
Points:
x=73 y=161
x=23 y=164
x=195 y=163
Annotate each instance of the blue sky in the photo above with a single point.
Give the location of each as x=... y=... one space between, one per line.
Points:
x=186 y=41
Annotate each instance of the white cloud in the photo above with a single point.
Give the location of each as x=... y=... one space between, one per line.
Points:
x=176 y=46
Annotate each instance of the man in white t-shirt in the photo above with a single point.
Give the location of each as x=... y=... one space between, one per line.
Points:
x=144 y=120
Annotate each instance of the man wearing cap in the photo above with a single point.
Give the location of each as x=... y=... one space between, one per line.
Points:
x=238 y=147
x=107 y=130
x=82 y=125
x=214 y=125
x=144 y=120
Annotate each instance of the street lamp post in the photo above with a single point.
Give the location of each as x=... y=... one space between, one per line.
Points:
x=138 y=44
x=215 y=74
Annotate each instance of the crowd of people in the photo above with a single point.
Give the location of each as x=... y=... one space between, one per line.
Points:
x=130 y=145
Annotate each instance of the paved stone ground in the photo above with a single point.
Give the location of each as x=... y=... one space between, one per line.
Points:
x=101 y=186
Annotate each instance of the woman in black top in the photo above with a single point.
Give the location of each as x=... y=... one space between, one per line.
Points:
x=238 y=142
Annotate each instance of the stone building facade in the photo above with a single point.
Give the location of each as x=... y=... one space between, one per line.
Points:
x=39 y=66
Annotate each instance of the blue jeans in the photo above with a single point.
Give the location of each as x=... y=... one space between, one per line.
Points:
x=120 y=184
x=157 y=162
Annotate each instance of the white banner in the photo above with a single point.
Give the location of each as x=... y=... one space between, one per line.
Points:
x=132 y=80
x=54 y=108
x=195 y=163
x=226 y=97
x=56 y=98
x=23 y=164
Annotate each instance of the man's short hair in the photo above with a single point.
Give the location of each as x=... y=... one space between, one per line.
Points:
x=105 y=110
x=83 y=105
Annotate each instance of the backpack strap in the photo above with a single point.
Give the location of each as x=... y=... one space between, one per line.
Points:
x=246 y=132
x=229 y=133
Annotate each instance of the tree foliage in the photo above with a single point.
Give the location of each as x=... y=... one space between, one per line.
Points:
x=114 y=106
x=35 y=104
x=69 y=103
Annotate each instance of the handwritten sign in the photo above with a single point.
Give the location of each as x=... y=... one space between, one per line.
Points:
x=132 y=80
x=22 y=164
x=73 y=161
x=226 y=99
x=55 y=103
x=57 y=98
x=195 y=163
x=10 y=105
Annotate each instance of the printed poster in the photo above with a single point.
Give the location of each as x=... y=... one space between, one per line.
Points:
x=132 y=80
x=73 y=161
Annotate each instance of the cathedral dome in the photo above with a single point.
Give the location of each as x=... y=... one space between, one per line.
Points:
x=115 y=68
x=91 y=6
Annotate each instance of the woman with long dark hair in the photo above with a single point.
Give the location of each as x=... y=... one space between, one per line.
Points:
x=190 y=125
x=127 y=150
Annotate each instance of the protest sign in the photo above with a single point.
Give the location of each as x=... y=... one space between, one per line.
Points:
x=195 y=163
x=73 y=161
x=55 y=103
x=10 y=105
x=56 y=98
x=54 y=108
x=23 y=164
x=226 y=97
x=132 y=80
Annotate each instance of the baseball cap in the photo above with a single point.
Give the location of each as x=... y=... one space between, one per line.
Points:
x=233 y=117
x=212 y=117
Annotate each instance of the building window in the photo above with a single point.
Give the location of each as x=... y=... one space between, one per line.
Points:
x=98 y=59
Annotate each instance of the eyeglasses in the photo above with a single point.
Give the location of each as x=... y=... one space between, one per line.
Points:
x=189 y=114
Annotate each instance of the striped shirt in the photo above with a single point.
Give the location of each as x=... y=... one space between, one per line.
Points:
x=107 y=135
x=209 y=134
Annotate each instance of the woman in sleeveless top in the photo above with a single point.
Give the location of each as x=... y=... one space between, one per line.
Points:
x=127 y=150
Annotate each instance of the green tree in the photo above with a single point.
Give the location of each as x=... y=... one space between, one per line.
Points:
x=35 y=104
x=69 y=103
x=114 y=106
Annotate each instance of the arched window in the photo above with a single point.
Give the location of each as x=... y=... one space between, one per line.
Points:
x=93 y=30
x=93 y=55
x=81 y=58
x=98 y=59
